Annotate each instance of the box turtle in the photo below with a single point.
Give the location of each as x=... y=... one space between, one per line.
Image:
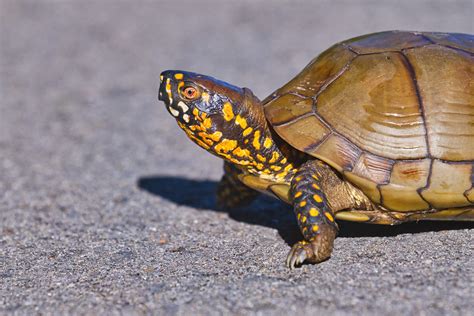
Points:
x=376 y=129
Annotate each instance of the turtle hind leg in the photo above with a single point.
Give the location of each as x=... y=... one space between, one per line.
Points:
x=315 y=217
x=231 y=192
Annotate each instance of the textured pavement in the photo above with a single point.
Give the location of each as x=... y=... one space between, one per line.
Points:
x=106 y=207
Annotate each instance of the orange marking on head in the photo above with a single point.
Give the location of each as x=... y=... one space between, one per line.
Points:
x=329 y=216
x=207 y=123
x=256 y=140
x=317 y=198
x=205 y=138
x=313 y=212
x=198 y=141
x=195 y=112
x=228 y=112
x=180 y=84
x=178 y=76
x=205 y=97
x=247 y=131
x=216 y=136
x=241 y=121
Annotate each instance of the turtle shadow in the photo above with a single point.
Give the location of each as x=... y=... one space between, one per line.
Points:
x=268 y=212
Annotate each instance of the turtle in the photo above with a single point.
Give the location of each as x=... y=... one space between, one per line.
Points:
x=376 y=129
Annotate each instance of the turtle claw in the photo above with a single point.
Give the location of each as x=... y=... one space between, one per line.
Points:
x=298 y=254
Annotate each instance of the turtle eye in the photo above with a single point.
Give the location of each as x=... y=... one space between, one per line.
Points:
x=190 y=93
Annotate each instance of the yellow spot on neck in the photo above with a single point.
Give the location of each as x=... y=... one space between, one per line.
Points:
x=226 y=145
x=267 y=143
x=228 y=112
x=317 y=198
x=275 y=156
x=178 y=76
x=261 y=158
x=241 y=121
x=313 y=212
x=276 y=168
x=241 y=152
x=298 y=194
x=303 y=218
x=256 y=140
x=329 y=216
x=314 y=185
x=315 y=228
x=247 y=131
x=302 y=203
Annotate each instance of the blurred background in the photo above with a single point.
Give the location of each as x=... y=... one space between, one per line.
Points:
x=105 y=206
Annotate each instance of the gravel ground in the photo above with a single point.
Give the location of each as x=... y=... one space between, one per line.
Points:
x=106 y=207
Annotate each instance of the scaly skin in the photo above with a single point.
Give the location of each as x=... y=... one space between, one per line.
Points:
x=229 y=122
x=315 y=216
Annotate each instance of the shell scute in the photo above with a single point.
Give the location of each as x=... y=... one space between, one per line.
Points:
x=393 y=112
x=386 y=41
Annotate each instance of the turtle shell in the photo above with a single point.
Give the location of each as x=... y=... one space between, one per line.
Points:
x=393 y=112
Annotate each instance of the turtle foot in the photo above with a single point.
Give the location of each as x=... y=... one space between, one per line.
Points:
x=317 y=250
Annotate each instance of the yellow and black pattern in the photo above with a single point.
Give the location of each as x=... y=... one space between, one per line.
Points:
x=231 y=192
x=309 y=202
x=315 y=217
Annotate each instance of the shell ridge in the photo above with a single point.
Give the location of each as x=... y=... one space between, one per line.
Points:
x=421 y=108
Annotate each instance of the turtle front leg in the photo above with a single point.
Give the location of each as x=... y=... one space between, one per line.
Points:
x=231 y=192
x=314 y=214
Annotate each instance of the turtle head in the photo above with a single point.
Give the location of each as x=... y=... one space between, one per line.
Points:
x=186 y=93
x=226 y=120
x=214 y=114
